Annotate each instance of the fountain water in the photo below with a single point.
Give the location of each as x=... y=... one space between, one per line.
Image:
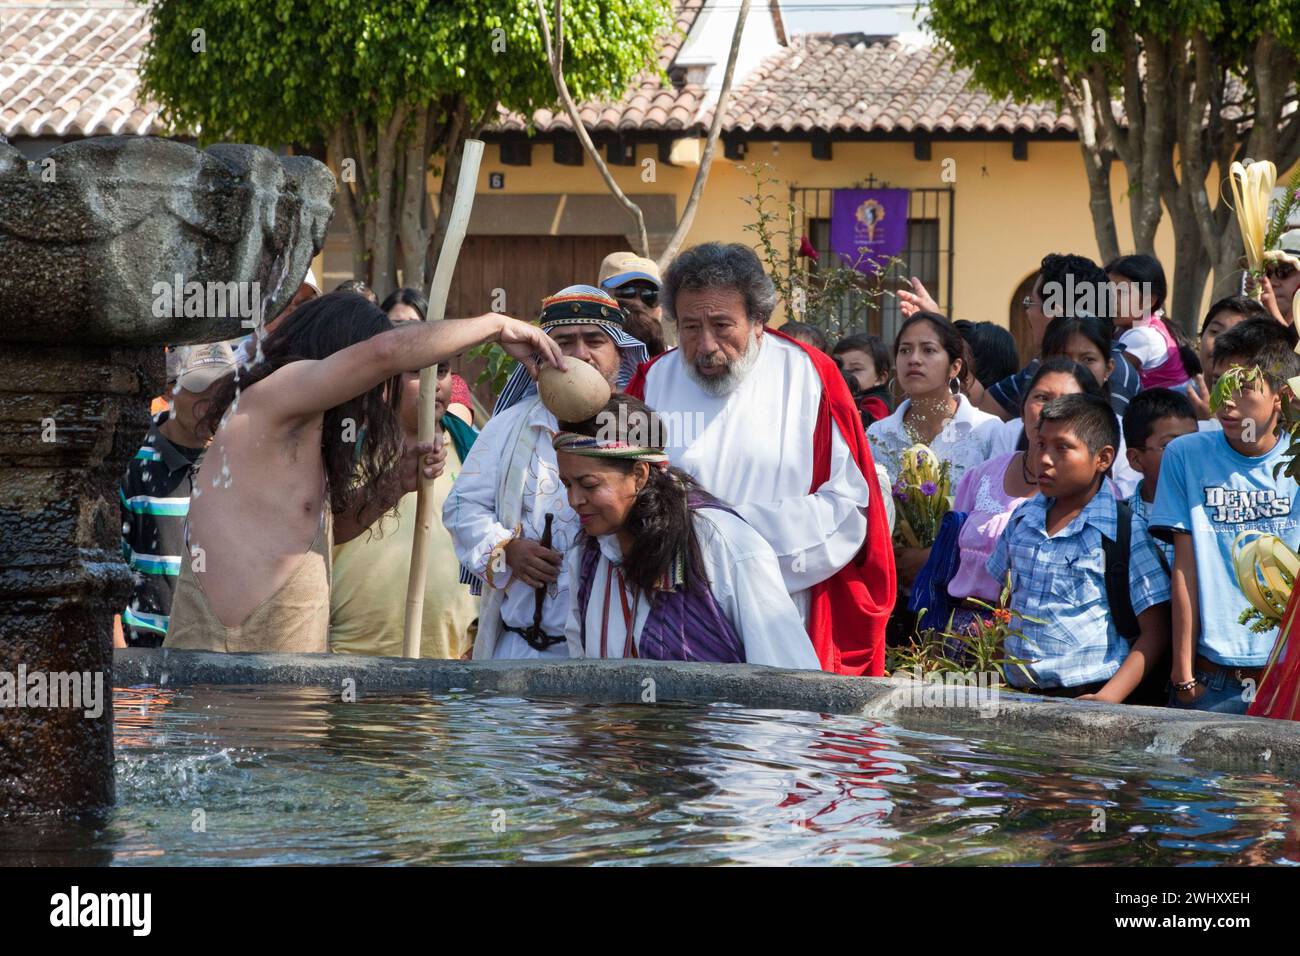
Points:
x=89 y=234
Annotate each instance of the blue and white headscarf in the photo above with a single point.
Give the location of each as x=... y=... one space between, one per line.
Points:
x=579 y=305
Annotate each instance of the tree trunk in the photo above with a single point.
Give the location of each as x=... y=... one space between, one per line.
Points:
x=1097 y=165
x=384 y=238
x=414 y=228
x=348 y=190
x=453 y=144
x=1191 y=267
x=1097 y=159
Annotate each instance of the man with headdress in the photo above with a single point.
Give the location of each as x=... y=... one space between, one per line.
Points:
x=498 y=508
x=767 y=424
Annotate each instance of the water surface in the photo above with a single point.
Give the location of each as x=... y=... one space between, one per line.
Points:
x=262 y=775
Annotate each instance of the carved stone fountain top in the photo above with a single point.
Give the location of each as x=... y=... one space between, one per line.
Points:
x=91 y=233
x=99 y=241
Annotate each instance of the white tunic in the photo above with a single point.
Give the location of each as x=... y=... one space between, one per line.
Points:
x=471 y=516
x=744 y=579
x=966 y=441
x=753 y=450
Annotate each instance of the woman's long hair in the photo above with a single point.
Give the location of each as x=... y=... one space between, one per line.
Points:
x=662 y=519
x=315 y=331
x=1059 y=364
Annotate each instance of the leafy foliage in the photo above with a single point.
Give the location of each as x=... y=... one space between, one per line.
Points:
x=836 y=297
x=1232 y=382
x=1282 y=211
x=281 y=71
x=497 y=366
x=1012 y=45
x=980 y=648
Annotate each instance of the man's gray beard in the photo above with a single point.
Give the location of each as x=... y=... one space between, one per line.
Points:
x=728 y=381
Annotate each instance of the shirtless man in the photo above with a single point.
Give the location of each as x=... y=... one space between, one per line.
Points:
x=309 y=442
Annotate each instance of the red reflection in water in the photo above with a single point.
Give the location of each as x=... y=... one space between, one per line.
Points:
x=137 y=712
x=861 y=751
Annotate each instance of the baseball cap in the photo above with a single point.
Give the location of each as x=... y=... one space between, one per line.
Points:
x=198 y=366
x=1287 y=250
x=621 y=267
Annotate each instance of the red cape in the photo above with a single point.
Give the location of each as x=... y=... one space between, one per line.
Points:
x=847 y=612
x=1278 y=695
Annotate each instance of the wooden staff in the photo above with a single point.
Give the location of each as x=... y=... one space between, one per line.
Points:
x=457 y=224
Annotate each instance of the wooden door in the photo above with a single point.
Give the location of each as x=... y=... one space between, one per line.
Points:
x=512 y=274
x=1019 y=322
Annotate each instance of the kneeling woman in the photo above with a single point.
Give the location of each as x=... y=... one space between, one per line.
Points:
x=663 y=570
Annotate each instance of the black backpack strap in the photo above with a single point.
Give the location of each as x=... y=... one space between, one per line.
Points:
x=1116 y=555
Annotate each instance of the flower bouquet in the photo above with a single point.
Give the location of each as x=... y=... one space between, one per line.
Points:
x=923 y=493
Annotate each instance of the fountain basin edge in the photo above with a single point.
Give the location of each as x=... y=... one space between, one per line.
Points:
x=1213 y=740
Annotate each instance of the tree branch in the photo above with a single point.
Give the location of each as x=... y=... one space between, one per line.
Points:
x=580 y=131
x=715 y=128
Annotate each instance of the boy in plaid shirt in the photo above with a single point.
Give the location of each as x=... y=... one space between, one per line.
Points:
x=1053 y=549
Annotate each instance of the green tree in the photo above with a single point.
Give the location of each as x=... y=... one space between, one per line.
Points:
x=392 y=86
x=1176 y=90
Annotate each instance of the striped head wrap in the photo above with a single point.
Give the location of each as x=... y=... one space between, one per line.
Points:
x=589 y=447
x=579 y=305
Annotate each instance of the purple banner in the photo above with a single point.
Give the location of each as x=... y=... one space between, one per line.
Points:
x=868 y=226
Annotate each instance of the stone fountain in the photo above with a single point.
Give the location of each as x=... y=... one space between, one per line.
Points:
x=94 y=239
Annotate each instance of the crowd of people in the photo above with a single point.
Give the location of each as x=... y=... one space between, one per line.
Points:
x=734 y=500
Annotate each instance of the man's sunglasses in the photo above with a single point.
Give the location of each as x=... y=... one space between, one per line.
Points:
x=649 y=296
x=1281 y=272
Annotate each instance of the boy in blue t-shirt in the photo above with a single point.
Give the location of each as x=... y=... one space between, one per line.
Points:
x=1154 y=419
x=1213 y=486
x=1053 y=548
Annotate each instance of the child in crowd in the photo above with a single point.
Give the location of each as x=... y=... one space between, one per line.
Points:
x=1160 y=352
x=1054 y=549
x=865 y=358
x=809 y=335
x=1224 y=315
x=1154 y=419
x=1087 y=341
x=1213 y=486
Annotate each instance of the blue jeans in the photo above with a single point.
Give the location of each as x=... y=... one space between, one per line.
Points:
x=1224 y=694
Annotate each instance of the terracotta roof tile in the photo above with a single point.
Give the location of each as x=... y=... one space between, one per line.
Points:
x=850 y=85
x=73 y=71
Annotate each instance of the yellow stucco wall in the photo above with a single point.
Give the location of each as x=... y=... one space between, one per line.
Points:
x=1007 y=214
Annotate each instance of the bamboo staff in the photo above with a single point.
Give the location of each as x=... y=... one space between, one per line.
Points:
x=457 y=224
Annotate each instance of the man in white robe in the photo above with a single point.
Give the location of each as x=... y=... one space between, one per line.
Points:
x=496 y=511
x=768 y=426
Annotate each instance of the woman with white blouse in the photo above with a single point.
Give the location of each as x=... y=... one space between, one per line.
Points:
x=930 y=365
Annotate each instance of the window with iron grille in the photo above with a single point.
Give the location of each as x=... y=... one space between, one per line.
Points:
x=928 y=256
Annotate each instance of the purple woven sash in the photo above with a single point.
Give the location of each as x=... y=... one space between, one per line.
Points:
x=683 y=625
